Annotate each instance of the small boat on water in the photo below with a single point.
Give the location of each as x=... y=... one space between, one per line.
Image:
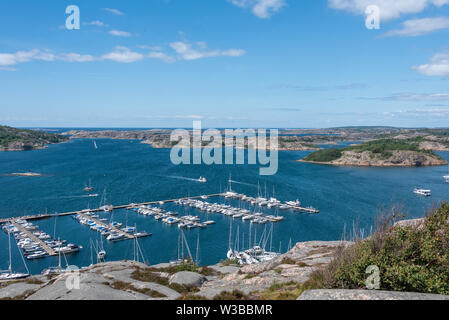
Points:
x=422 y=192
x=202 y=180
x=101 y=255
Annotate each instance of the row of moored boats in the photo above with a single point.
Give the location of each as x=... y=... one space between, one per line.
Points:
x=172 y=218
x=225 y=209
x=31 y=248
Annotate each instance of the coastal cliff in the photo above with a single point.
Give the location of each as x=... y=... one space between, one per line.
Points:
x=380 y=153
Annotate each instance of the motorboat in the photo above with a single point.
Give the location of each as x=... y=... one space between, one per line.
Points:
x=422 y=192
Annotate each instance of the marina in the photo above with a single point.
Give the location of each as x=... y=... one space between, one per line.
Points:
x=134 y=178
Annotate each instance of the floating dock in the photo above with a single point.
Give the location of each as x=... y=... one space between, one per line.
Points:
x=30 y=235
x=129 y=206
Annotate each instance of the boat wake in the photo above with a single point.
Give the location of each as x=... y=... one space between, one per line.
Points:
x=68 y=197
x=244 y=183
x=181 y=178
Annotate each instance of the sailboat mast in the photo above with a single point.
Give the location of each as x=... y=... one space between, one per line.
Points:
x=198 y=249
x=10 y=257
x=230 y=235
x=59 y=255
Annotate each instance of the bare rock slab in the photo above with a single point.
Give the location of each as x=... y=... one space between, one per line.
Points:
x=188 y=278
x=342 y=294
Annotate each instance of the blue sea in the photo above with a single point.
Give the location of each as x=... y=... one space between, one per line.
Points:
x=131 y=172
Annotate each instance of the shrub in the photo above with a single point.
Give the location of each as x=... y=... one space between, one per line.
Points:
x=234 y=295
x=410 y=258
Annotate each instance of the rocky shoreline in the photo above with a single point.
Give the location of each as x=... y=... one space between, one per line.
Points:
x=130 y=280
x=397 y=159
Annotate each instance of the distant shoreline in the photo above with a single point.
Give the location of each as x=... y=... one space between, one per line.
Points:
x=370 y=165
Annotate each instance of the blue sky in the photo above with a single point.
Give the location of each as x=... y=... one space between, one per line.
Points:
x=230 y=63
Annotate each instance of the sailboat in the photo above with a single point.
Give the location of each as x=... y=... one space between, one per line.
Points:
x=446 y=177
x=58 y=269
x=95 y=145
x=106 y=207
x=9 y=274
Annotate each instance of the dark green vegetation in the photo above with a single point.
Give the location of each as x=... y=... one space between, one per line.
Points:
x=30 y=138
x=119 y=285
x=153 y=275
x=382 y=147
x=326 y=155
x=414 y=259
x=234 y=295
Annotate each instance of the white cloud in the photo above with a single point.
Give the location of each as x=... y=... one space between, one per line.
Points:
x=187 y=52
x=389 y=9
x=161 y=56
x=437 y=66
x=420 y=112
x=95 y=23
x=118 y=33
x=261 y=8
x=76 y=57
x=407 y=96
x=114 y=11
x=10 y=59
x=123 y=54
x=193 y=117
x=418 y=27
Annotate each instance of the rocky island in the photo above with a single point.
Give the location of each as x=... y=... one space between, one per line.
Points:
x=160 y=138
x=12 y=139
x=379 y=153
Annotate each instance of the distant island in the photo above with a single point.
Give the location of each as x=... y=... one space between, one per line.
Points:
x=380 y=153
x=25 y=174
x=12 y=139
x=292 y=139
x=160 y=138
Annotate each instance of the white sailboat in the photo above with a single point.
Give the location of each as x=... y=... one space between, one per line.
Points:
x=95 y=145
x=9 y=274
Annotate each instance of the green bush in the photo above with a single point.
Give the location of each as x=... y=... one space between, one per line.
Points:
x=414 y=259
